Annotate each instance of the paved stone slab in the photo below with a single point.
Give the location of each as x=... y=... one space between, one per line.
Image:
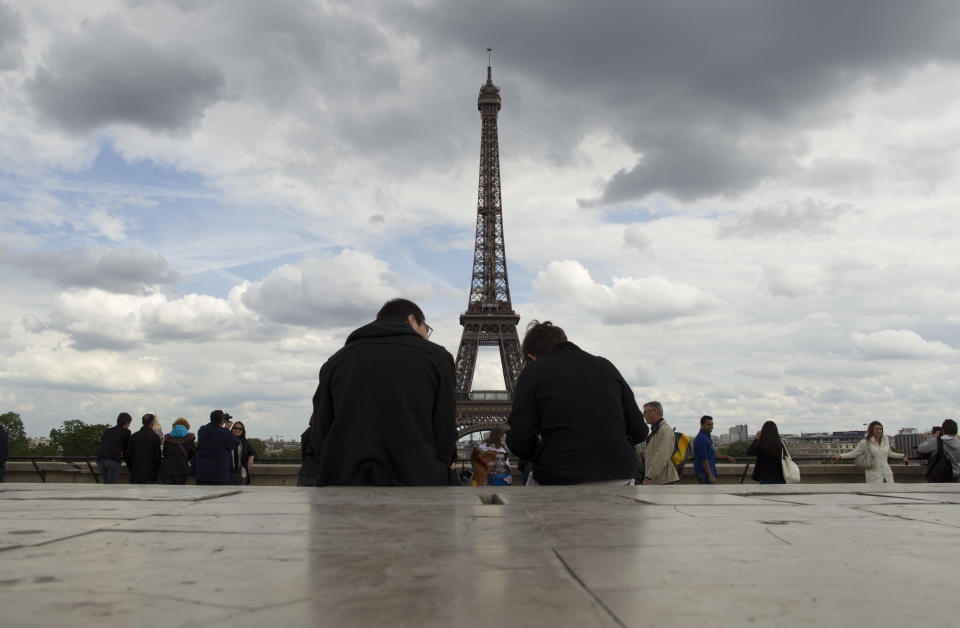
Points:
x=517 y=556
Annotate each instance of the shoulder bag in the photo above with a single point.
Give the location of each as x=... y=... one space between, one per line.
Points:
x=791 y=472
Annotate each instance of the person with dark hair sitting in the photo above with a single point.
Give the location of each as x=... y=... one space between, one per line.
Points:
x=384 y=412
x=573 y=414
x=214 y=447
x=143 y=453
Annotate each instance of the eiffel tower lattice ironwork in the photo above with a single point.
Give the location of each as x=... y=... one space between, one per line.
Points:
x=489 y=319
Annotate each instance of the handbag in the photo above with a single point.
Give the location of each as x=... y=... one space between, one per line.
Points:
x=864 y=460
x=791 y=472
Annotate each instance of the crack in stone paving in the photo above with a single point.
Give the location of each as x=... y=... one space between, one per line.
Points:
x=584 y=586
x=901 y=517
x=779 y=538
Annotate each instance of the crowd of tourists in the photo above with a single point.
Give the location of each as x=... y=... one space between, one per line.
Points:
x=218 y=453
x=384 y=413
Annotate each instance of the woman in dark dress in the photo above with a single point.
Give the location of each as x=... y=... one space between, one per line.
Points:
x=179 y=448
x=241 y=457
x=768 y=448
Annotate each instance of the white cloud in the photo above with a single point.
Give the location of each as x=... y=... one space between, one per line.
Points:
x=900 y=344
x=332 y=291
x=792 y=280
x=627 y=300
x=97 y=371
x=96 y=319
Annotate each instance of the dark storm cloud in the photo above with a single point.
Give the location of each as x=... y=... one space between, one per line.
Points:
x=106 y=73
x=692 y=164
x=708 y=93
x=127 y=270
x=11 y=37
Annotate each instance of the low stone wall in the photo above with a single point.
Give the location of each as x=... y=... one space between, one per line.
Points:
x=286 y=474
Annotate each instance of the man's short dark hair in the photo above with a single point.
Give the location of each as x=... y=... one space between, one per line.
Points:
x=705 y=418
x=217 y=417
x=541 y=339
x=148 y=419
x=401 y=308
x=124 y=419
x=949 y=427
x=654 y=404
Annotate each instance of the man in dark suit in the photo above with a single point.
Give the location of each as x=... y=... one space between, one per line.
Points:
x=385 y=409
x=573 y=414
x=113 y=445
x=143 y=453
x=214 y=444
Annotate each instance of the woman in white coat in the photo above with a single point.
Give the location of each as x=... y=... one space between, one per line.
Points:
x=877 y=447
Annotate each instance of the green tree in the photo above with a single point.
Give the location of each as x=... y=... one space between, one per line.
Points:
x=15 y=433
x=76 y=438
x=738 y=448
x=259 y=447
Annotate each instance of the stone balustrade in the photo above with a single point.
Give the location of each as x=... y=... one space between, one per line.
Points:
x=286 y=474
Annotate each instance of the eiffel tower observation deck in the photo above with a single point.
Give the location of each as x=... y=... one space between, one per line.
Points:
x=489 y=319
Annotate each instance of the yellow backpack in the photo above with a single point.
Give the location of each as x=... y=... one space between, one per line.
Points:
x=681 y=446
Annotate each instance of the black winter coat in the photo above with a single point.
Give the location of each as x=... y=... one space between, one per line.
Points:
x=113 y=443
x=385 y=411
x=585 y=415
x=310 y=465
x=214 y=444
x=143 y=455
x=177 y=454
x=769 y=466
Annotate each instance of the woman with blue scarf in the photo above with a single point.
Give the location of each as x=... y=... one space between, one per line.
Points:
x=179 y=448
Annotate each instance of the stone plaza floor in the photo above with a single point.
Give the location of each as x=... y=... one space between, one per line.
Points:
x=732 y=555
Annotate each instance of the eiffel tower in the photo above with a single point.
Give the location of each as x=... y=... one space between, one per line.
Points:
x=489 y=319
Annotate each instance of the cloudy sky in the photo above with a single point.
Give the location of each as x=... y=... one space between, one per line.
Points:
x=751 y=208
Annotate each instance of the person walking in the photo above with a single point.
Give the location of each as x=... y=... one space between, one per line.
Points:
x=113 y=446
x=769 y=450
x=179 y=449
x=143 y=453
x=704 y=455
x=214 y=444
x=658 y=454
x=241 y=458
x=876 y=447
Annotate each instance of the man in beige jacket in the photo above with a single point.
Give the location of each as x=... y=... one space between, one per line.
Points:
x=659 y=467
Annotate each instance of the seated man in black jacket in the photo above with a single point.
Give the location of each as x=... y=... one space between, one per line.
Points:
x=573 y=414
x=385 y=411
